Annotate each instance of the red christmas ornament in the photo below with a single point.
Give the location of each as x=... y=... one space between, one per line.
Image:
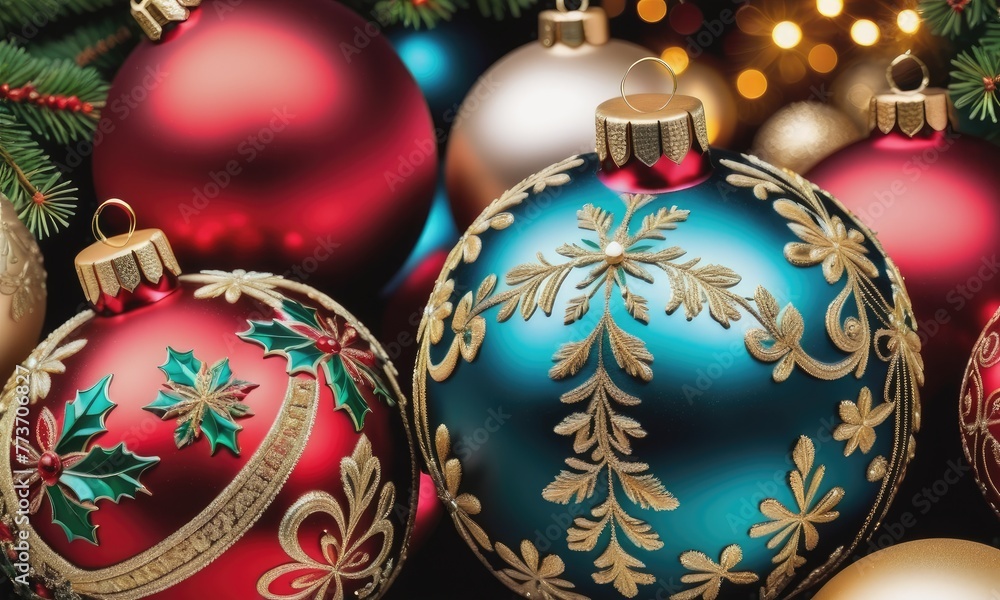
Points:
x=287 y=135
x=930 y=193
x=221 y=435
x=980 y=412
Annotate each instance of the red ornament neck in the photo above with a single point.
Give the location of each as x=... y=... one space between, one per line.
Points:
x=144 y=294
x=925 y=138
x=664 y=176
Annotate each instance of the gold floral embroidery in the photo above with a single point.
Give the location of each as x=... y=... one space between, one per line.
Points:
x=790 y=526
x=494 y=216
x=711 y=574
x=469 y=329
x=860 y=421
x=346 y=552
x=877 y=469
x=826 y=241
x=462 y=506
x=21 y=270
x=980 y=411
x=438 y=309
x=259 y=286
x=45 y=361
x=534 y=579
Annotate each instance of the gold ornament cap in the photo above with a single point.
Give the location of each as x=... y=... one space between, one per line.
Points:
x=573 y=28
x=648 y=126
x=154 y=15
x=124 y=262
x=910 y=110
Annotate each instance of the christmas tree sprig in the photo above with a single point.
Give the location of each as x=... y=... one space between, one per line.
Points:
x=44 y=199
x=953 y=18
x=974 y=82
x=429 y=13
x=20 y=17
x=102 y=44
x=57 y=99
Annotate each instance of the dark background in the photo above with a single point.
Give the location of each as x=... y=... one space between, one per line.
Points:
x=939 y=497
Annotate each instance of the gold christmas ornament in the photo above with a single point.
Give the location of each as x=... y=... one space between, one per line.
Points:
x=853 y=90
x=932 y=569
x=800 y=135
x=22 y=289
x=536 y=106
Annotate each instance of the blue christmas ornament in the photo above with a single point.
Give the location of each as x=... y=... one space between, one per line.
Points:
x=661 y=371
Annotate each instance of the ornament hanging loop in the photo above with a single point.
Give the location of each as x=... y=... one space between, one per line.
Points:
x=95 y=223
x=925 y=79
x=661 y=62
x=561 y=6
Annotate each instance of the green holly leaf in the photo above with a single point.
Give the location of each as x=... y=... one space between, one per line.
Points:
x=164 y=403
x=377 y=383
x=277 y=338
x=181 y=367
x=109 y=474
x=299 y=313
x=220 y=431
x=84 y=418
x=72 y=517
x=346 y=395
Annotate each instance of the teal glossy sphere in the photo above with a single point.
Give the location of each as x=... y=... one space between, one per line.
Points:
x=703 y=393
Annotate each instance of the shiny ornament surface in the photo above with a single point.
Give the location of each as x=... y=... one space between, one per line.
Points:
x=922 y=570
x=711 y=386
x=802 y=134
x=281 y=135
x=239 y=438
x=22 y=290
x=932 y=199
x=979 y=413
x=533 y=107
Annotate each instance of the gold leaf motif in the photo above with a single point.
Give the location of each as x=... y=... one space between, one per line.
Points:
x=787 y=527
x=344 y=551
x=259 y=286
x=22 y=275
x=860 y=421
x=710 y=574
x=47 y=360
x=462 y=506
x=877 y=469
x=535 y=578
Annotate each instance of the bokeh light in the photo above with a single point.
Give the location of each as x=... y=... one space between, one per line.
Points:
x=823 y=58
x=865 y=32
x=908 y=21
x=652 y=11
x=786 y=35
x=686 y=18
x=830 y=8
x=676 y=57
x=751 y=84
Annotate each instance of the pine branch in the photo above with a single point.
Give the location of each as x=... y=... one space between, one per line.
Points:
x=19 y=17
x=417 y=13
x=991 y=38
x=975 y=82
x=43 y=198
x=57 y=99
x=952 y=17
x=102 y=44
x=498 y=9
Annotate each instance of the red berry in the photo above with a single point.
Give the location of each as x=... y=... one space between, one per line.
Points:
x=50 y=467
x=41 y=591
x=16 y=95
x=328 y=345
x=61 y=103
x=5 y=534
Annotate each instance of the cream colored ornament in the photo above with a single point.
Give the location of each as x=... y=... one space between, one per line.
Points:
x=536 y=106
x=22 y=290
x=800 y=135
x=932 y=569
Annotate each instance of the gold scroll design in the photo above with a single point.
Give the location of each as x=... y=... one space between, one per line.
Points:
x=344 y=556
x=827 y=241
x=980 y=411
x=212 y=532
x=21 y=270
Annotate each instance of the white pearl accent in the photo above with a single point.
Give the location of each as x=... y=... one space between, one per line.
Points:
x=614 y=250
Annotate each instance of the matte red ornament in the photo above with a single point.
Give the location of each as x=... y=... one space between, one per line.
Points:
x=284 y=135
